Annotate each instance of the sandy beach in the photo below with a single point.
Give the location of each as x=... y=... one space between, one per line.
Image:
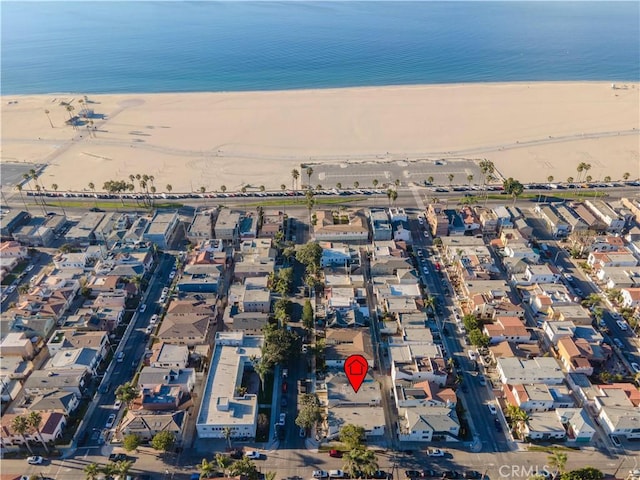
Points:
x=189 y=140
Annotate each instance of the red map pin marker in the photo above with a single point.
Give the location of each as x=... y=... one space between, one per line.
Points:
x=356 y=367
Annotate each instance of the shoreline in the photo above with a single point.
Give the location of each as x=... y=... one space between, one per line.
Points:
x=530 y=130
x=5 y=96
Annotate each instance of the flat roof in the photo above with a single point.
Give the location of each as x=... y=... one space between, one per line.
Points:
x=220 y=406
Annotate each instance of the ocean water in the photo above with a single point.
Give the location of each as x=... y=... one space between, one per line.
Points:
x=108 y=47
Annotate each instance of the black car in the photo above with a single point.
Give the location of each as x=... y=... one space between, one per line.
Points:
x=412 y=474
x=380 y=474
x=284 y=402
x=430 y=473
x=117 y=457
x=236 y=454
x=451 y=474
x=497 y=424
x=472 y=474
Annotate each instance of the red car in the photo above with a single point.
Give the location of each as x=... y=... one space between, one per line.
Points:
x=335 y=453
x=284 y=387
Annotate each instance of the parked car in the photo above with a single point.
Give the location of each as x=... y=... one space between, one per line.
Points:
x=497 y=424
x=622 y=325
x=285 y=387
x=284 y=402
x=283 y=418
x=253 y=455
x=143 y=307
x=335 y=453
x=120 y=357
x=336 y=474
x=117 y=404
x=29 y=268
x=11 y=289
x=472 y=474
x=635 y=367
x=435 y=452
x=380 y=474
x=319 y=474
x=412 y=474
x=117 y=457
x=303 y=433
x=35 y=460
x=110 y=421
x=492 y=409
x=451 y=474
x=618 y=343
x=428 y=473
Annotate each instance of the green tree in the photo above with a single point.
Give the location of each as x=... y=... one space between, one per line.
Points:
x=470 y=322
x=607 y=178
x=163 y=441
x=430 y=180
x=270 y=475
x=19 y=189
x=109 y=470
x=20 y=425
x=352 y=436
x=126 y=393
x=280 y=345
x=122 y=468
x=244 y=466
x=479 y=339
x=295 y=174
x=307 y=315
x=222 y=461
x=92 y=471
x=360 y=460
x=131 y=442
x=34 y=419
x=206 y=468
x=451 y=176
x=585 y=473
x=309 y=255
x=309 y=173
x=310 y=412
x=626 y=176
x=513 y=187
x=227 y=433
x=557 y=460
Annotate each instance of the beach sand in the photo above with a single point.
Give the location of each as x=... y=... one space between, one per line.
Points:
x=189 y=140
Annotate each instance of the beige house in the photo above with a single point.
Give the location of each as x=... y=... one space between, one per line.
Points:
x=147 y=424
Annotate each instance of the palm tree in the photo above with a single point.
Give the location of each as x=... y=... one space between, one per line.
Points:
x=92 y=471
x=430 y=180
x=569 y=179
x=339 y=186
x=19 y=188
x=34 y=420
x=451 y=177
x=309 y=173
x=122 y=468
x=607 y=178
x=109 y=469
x=295 y=174
x=169 y=187
x=469 y=179
x=580 y=169
x=375 y=183
x=588 y=178
x=550 y=178
x=206 y=468
x=226 y=431
x=47 y=112
x=71 y=108
x=222 y=461
x=557 y=460
x=625 y=176
x=397 y=182
x=356 y=184
x=360 y=460
x=587 y=167
x=223 y=188
x=21 y=426
x=92 y=187
x=270 y=476
x=54 y=187
x=394 y=196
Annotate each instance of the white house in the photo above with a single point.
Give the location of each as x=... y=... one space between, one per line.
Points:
x=630 y=297
x=426 y=424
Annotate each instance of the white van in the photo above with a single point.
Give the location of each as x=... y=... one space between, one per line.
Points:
x=120 y=357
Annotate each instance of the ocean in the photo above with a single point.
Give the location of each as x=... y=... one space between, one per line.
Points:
x=126 y=47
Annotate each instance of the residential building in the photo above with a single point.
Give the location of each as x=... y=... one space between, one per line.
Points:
x=248 y=226
x=438 y=221
x=187 y=322
x=341 y=343
x=17 y=344
x=59 y=401
x=51 y=429
x=380 y=224
x=222 y=406
x=13 y=249
x=558 y=226
x=12 y=221
x=428 y=424
x=34 y=234
x=576 y=224
x=537 y=370
x=162 y=228
x=630 y=297
x=529 y=397
x=577 y=424
x=201 y=228
x=272 y=223
x=146 y=424
x=152 y=377
x=619 y=258
x=511 y=329
x=165 y=355
x=227 y=225
x=348 y=226
x=619 y=277
x=542 y=426
x=83 y=233
x=614 y=222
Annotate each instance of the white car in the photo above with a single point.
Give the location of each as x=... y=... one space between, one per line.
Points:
x=110 y=421
x=492 y=409
x=319 y=474
x=35 y=460
x=11 y=289
x=143 y=307
x=635 y=367
x=435 y=452
x=172 y=274
x=472 y=355
x=154 y=318
x=622 y=325
x=283 y=419
x=117 y=404
x=149 y=330
x=253 y=455
x=29 y=268
x=336 y=474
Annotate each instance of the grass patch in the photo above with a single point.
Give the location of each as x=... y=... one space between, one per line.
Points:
x=262 y=435
x=325 y=447
x=20 y=267
x=303 y=202
x=551 y=448
x=9 y=279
